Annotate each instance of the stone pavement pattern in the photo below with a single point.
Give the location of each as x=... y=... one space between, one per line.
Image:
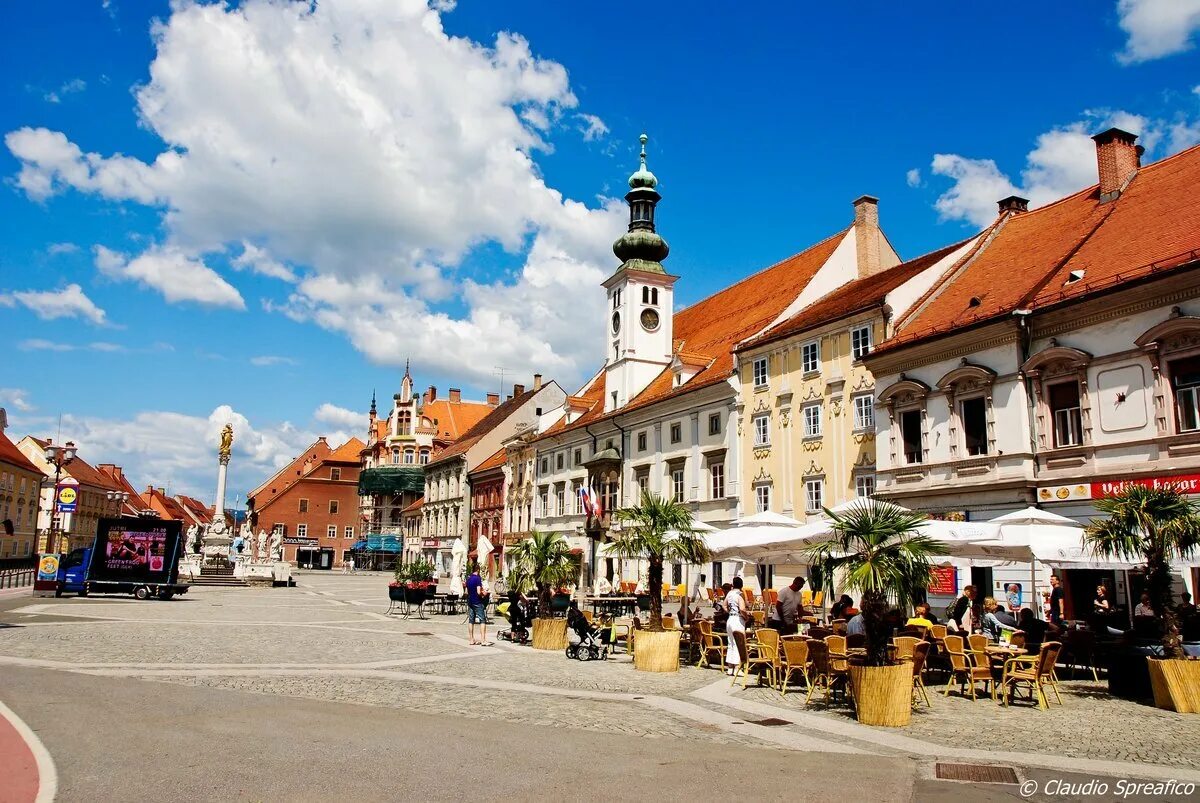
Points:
x=330 y=640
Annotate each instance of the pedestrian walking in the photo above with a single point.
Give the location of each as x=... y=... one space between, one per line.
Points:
x=476 y=608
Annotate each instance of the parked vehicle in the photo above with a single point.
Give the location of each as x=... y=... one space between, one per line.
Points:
x=131 y=555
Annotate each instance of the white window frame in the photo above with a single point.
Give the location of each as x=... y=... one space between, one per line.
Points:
x=861 y=483
x=814 y=495
x=716 y=476
x=858 y=335
x=331 y=531
x=762 y=430
x=810 y=357
x=349 y=531
x=714 y=424
x=678 y=485
x=302 y=531
x=761 y=373
x=762 y=498
x=864 y=413
x=812 y=421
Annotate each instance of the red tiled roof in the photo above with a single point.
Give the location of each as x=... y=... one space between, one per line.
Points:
x=292 y=471
x=485 y=425
x=714 y=326
x=9 y=453
x=83 y=471
x=856 y=296
x=454 y=419
x=169 y=506
x=1154 y=226
x=348 y=452
x=495 y=461
x=415 y=506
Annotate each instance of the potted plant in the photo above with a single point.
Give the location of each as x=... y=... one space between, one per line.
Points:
x=1155 y=524
x=543 y=560
x=878 y=549
x=657 y=530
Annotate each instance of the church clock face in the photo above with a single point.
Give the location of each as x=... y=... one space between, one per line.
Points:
x=616 y=322
x=650 y=319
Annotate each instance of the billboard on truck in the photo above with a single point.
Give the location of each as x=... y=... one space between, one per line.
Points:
x=130 y=550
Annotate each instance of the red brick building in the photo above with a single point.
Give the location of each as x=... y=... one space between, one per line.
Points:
x=313 y=502
x=487 y=501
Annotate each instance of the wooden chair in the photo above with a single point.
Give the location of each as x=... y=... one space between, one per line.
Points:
x=793 y=659
x=710 y=644
x=753 y=656
x=964 y=669
x=919 y=653
x=905 y=646
x=1034 y=671
x=1079 y=649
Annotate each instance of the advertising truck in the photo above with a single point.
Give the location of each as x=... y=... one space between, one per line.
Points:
x=131 y=555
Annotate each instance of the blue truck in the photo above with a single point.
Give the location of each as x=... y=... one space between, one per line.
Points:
x=131 y=555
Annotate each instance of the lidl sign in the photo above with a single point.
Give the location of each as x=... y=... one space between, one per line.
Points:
x=67 y=498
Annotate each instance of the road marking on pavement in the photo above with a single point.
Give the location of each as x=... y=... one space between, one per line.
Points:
x=47 y=774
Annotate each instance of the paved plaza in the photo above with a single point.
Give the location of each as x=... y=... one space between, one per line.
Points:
x=242 y=682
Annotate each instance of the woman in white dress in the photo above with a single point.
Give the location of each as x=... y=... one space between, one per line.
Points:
x=735 y=603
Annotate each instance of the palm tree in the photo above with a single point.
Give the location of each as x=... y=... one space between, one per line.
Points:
x=879 y=549
x=657 y=530
x=543 y=559
x=1153 y=524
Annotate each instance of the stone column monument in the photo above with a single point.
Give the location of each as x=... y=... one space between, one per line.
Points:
x=217 y=537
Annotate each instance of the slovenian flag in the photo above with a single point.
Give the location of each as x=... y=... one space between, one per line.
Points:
x=585 y=499
x=597 y=504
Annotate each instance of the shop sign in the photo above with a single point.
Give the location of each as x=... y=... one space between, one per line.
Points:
x=297 y=541
x=431 y=543
x=944 y=581
x=66 y=496
x=1184 y=483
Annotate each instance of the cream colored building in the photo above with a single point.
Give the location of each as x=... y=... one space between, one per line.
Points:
x=20 y=486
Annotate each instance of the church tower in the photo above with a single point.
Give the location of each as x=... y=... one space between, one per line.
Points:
x=640 y=302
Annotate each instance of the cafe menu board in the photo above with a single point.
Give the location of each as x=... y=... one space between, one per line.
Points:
x=944 y=582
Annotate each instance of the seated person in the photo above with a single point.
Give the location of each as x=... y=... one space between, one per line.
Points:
x=856 y=626
x=1034 y=629
x=922 y=616
x=1005 y=618
x=991 y=624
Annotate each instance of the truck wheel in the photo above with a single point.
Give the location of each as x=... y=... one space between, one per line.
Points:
x=165 y=593
x=83 y=592
x=141 y=592
x=58 y=592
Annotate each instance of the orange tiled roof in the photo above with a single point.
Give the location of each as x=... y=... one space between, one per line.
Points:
x=484 y=426
x=495 y=461
x=454 y=419
x=415 y=506
x=9 y=453
x=856 y=296
x=292 y=471
x=169 y=506
x=1154 y=226
x=714 y=326
x=348 y=452
x=84 y=472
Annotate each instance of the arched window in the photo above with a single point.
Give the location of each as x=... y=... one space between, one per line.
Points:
x=654 y=295
x=1060 y=386
x=968 y=390
x=408 y=456
x=908 y=436
x=404 y=422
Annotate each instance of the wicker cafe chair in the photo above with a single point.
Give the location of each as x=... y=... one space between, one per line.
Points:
x=839 y=626
x=692 y=642
x=823 y=675
x=856 y=641
x=1017 y=638
x=794 y=659
x=905 y=646
x=710 y=644
x=770 y=648
x=919 y=654
x=1034 y=671
x=750 y=657
x=620 y=630
x=964 y=669
x=977 y=645
x=668 y=622
x=759 y=618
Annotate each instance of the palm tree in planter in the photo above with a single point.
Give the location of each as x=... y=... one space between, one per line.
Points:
x=1155 y=524
x=880 y=552
x=657 y=530
x=544 y=561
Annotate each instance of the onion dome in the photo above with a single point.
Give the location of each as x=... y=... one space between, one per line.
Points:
x=641 y=247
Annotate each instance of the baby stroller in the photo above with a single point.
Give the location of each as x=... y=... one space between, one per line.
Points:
x=518 y=619
x=583 y=638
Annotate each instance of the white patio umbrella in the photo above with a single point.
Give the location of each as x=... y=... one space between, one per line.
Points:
x=484 y=547
x=458 y=559
x=768 y=518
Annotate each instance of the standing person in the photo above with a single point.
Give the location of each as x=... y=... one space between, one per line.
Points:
x=735 y=604
x=698 y=595
x=961 y=609
x=1057 y=612
x=788 y=607
x=476 y=607
x=1100 y=605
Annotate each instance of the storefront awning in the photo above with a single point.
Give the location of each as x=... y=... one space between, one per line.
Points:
x=391 y=480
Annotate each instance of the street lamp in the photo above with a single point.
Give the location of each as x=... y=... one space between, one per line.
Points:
x=58 y=456
x=119 y=498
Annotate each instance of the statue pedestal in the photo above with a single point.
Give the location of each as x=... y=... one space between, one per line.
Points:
x=189 y=567
x=255 y=573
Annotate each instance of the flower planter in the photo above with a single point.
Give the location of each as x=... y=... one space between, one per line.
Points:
x=549 y=634
x=1176 y=684
x=882 y=694
x=656 y=651
x=396 y=593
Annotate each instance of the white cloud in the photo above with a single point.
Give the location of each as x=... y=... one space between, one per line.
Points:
x=69 y=302
x=41 y=344
x=173 y=273
x=271 y=359
x=54 y=249
x=1062 y=162
x=1157 y=28
x=913 y=178
x=593 y=127
x=17 y=398
x=68 y=88
x=349 y=420
x=362 y=146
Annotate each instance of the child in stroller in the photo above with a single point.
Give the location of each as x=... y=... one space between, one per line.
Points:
x=584 y=639
x=518 y=620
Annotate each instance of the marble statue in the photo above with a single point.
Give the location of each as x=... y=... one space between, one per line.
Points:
x=277 y=546
x=217 y=527
x=262 y=545
x=192 y=540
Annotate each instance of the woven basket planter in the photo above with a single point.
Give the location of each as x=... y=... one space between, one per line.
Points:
x=1176 y=684
x=882 y=694
x=656 y=651
x=549 y=634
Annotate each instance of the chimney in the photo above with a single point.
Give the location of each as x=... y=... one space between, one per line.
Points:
x=537 y=381
x=431 y=394
x=1118 y=160
x=455 y=395
x=1014 y=204
x=866 y=235
x=518 y=390
x=493 y=399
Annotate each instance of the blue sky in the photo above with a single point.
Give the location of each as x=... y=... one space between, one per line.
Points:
x=255 y=213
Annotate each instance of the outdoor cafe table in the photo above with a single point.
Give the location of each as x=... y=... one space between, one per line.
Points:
x=611 y=604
